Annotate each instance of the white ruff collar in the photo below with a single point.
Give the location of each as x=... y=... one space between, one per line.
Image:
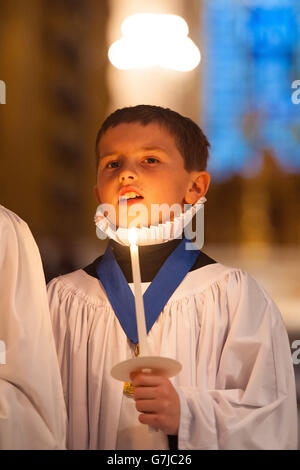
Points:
x=152 y=235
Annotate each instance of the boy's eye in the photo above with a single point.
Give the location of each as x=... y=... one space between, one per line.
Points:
x=112 y=164
x=151 y=159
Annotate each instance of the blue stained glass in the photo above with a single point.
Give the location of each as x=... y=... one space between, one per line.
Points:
x=250 y=59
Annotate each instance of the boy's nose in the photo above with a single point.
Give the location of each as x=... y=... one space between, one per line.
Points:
x=127 y=175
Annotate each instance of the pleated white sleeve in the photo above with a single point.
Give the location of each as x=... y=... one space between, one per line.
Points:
x=245 y=394
x=32 y=408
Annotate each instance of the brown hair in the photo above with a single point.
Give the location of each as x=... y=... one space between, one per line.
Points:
x=189 y=138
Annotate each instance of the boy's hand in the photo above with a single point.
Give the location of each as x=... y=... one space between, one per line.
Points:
x=156 y=397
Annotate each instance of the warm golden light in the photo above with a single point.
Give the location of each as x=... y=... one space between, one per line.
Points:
x=154 y=40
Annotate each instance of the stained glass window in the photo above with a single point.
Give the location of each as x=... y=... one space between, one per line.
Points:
x=251 y=56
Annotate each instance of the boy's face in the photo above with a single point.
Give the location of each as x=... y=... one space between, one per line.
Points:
x=144 y=159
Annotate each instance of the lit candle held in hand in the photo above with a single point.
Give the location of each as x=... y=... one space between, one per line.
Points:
x=138 y=296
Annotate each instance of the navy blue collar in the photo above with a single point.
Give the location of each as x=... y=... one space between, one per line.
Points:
x=168 y=278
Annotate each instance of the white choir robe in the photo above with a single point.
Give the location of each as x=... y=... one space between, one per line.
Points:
x=237 y=384
x=32 y=408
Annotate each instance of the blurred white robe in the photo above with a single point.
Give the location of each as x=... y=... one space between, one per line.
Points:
x=32 y=409
x=236 y=387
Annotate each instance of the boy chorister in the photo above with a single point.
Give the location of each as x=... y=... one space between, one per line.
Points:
x=236 y=389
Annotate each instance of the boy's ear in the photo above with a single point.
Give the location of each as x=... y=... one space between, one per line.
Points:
x=197 y=187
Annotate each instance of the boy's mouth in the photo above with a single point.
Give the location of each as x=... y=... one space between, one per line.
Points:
x=129 y=195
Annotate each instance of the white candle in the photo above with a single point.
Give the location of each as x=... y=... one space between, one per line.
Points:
x=138 y=296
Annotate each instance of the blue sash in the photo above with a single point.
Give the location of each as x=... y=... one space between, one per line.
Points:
x=168 y=278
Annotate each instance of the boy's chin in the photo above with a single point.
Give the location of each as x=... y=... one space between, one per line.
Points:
x=128 y=222
x=132 y=224
x=148 y=218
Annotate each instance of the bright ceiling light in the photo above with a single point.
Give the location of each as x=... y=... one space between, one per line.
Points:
x=154 y=40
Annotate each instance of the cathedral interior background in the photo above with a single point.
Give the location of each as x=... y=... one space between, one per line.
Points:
x=60 y=85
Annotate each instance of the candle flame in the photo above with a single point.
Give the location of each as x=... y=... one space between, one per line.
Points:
x=132 y=236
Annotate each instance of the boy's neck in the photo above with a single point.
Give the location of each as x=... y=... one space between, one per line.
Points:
x=151 y=257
